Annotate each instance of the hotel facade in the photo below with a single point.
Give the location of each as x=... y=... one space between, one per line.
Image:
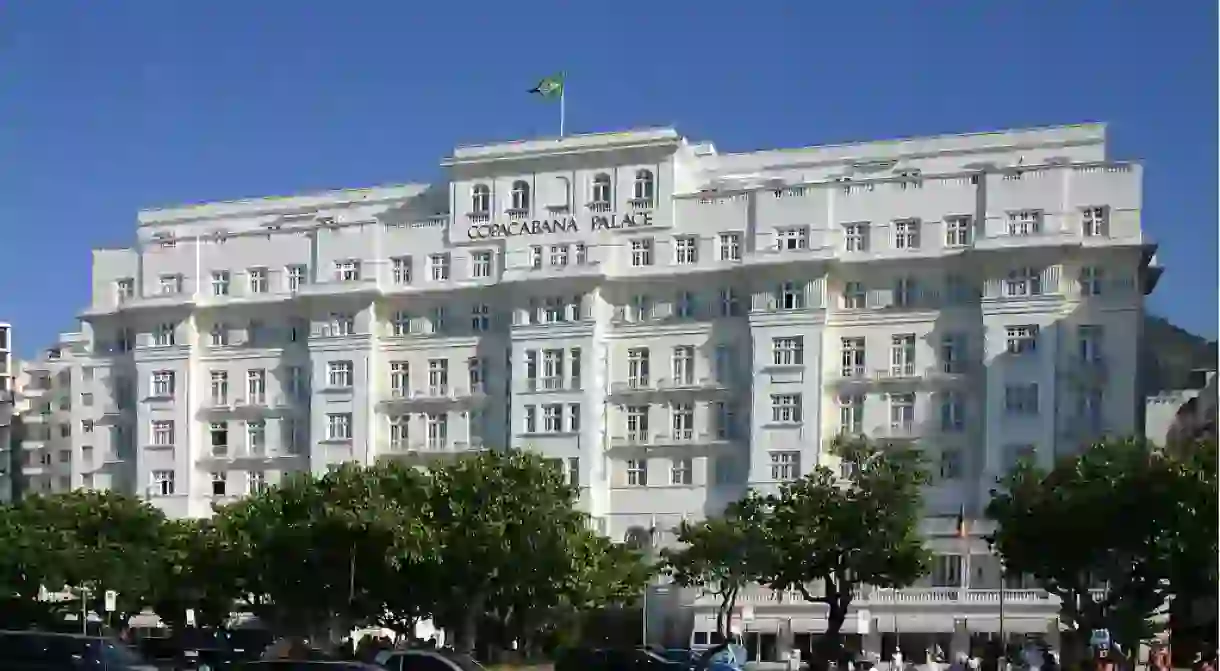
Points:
x=672 y=324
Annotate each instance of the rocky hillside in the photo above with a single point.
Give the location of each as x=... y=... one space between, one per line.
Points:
x=1171 y=354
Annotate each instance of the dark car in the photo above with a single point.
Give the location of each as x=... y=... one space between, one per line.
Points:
x=616 y=659
x=50 y=651
x=305 y=665
x=426 y=660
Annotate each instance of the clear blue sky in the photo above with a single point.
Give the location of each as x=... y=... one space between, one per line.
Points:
x=109 y=106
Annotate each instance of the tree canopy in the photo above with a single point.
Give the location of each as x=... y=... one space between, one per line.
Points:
x=1122 y=515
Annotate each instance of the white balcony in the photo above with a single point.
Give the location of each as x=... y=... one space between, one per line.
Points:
x=435 y=395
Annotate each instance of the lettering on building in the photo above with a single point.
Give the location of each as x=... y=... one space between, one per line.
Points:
x=617 y=221
x=515 y=228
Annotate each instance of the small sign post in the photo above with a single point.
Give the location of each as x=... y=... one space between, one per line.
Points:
x=112 y=598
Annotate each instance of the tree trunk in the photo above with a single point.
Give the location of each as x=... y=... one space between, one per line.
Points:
x=468 y=631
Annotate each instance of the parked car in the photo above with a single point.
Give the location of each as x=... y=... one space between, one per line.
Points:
x=305 y=665
x=51 y=651
x=616 y=659
x=426 y=660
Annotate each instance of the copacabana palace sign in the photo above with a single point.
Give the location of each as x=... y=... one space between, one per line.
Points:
x=598 y=222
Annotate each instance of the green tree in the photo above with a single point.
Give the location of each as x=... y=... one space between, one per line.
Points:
x=1120 y=515
x=842 y=533
x=719 y=555
x=200 y=572
x=96 y=541
x=25 y=566
x=318 y=552
x=507 y=528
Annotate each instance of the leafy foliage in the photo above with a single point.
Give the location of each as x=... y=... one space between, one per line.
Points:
x=718 y=555
x=1121 y=514
x=841 y=533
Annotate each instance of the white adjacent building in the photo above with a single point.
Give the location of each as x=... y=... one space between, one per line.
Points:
x=672 y=323
x=6 y=412
x=55 y=408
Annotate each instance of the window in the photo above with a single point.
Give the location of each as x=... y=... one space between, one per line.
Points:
x=339 y=374
x=1021 y=399
x=531 y=419
x=726 y=471
x=637 y=472
x=219 y=387
x=480 y=264
x=686 y=250
x=438 y=377
x=959 y=231
x=582 y=254
x=730 y=306
x=574 y=417
x=855 y=296
x=520 y=198
x=296 y=277
x=683 y=365
x=1089 y=343
x=1025 y=222
x=723 y=420
x=400 y=378
x=788 y=351
x=438 y=267
x=902 y=413
x=574 y=471
x=641 y=252
x=791 y=296
x=637 y=423
x=1022 y=339
x=163 y=335
x=400 y=324
x=256 y=482
x=681 y=471
x=400 y=431
x=162 y=483
x=124 y=290
x=722 y=364
x=906 y=234
x=952 y=353
x=785 y=465
x=852 y=357
x=1095 y=221
x=851 y=414
x=1023 y=282
x=559 y=255
x=640 y=308
x=170 y=284
x=480 y=199
x=163 y=432
x=339 y=426
x=950 y=466
x=163 y=384
x=686 y=306
x=437 y=426
x=480 y=318
x=637 y=367
x=643 y=189
x=792 y=238
x=256 y=386
x=1090 y=281
x=535 y=257
x=855 y=237
x=552 y=418
x=952 y=412
x=552 y=369
x=400 y=269
x=220 y=481
x=218 y=438
x=219 y=335
x=946 y=571
x=906 y=292
x=347 y=271
x=682 y=421
x=902 y=355
x=602 y=191
x=340 y=325
x=256 y=280
x=786 y=408
x=436 y=322
x=730 y=246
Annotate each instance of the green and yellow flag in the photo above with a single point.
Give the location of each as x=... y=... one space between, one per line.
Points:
x=550 y=87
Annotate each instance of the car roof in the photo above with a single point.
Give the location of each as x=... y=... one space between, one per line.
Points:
x=58 y=634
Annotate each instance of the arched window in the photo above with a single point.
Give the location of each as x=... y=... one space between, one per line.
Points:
x=480 y=199
x=601 y=189
x=645 y=186
x=521 y=196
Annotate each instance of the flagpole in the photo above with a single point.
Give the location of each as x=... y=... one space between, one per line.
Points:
x=562 y=108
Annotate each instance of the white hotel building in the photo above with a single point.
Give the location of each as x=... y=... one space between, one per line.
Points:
x=673 y=323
